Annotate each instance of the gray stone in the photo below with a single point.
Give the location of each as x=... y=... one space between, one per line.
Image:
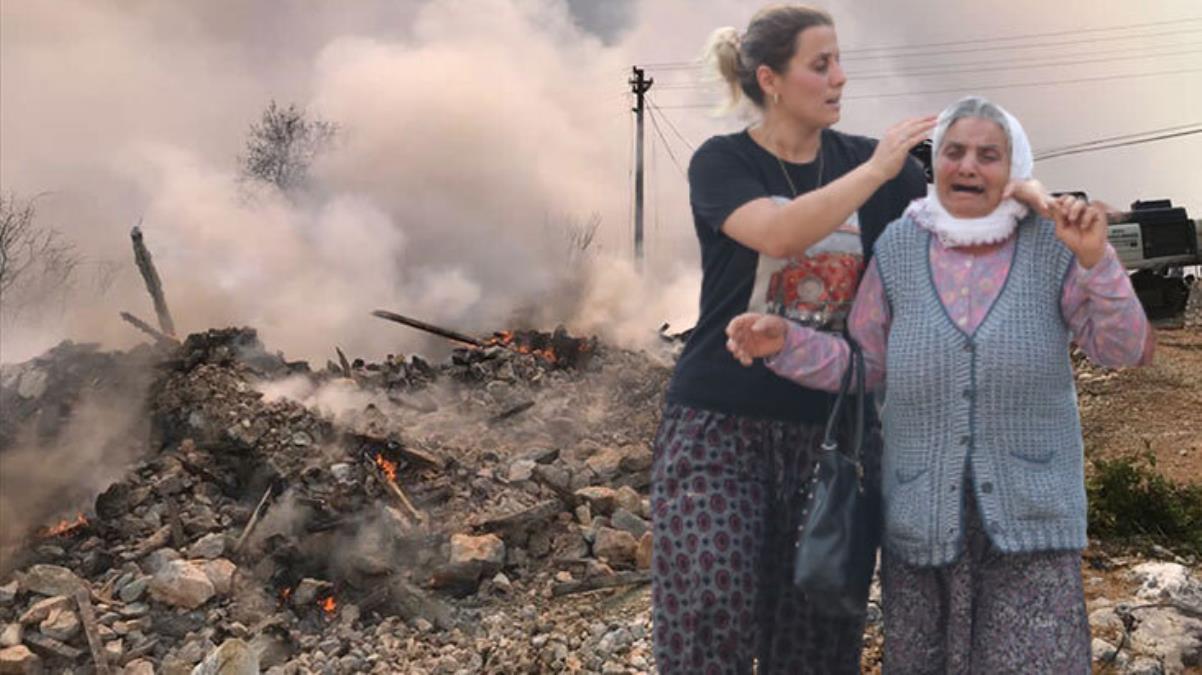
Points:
x=133 y=591
x=182 y=584
x=41 y=609
x=1171 y=636
x=62 y=625
x=221 y=574
x=628 y=498
x=51 y=580
x=606 y=463
x=1144 y=666
x=342 y=472
x=158 y=559
x=19 y=660
x=1167 y=581
x=628 y=522
x=32 y=383
x=11 y=635
x=488 y=549
x=209 y=547
x=1105 y=619
x=554 y=475
x=522 y=470
x=307 y=590
x=642 y=554
x=233 y=657
x=600 y=499
x=1102 y=650
x=8 y=592
x=138 y=667
x=615 y=546
x=635 y=458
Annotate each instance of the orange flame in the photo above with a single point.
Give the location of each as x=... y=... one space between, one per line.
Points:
x=63 y=526
x=389 y=468
x=329 y=605
x=285 y=594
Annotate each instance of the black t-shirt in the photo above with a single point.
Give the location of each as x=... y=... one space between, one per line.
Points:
x=725 y=173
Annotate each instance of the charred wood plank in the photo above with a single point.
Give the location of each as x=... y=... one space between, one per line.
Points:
x=398 y=494
x=154 y=542
x=51 y=647
x=254 y=520
x=153 y=284
x=87 y=616
x=511 y=411
x=597 y=583
x=343 y=362
x=427 y=327
x=178 y=540
x=525 y=519
x=393 y=447
x=148 y=329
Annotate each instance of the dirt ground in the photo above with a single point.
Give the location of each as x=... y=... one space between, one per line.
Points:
x=1157 y=408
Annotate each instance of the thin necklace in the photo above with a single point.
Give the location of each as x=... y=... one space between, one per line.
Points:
x=789 y=179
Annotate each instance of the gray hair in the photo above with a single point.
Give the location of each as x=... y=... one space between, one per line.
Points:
x=972 y=106
x=770 y=40
x=1018 y=146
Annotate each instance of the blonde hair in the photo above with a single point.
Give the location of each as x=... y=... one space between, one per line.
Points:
x=770 y=40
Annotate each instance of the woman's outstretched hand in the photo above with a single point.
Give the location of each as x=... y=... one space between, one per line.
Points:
x=895 y=146
x=751 y=336
x=1082 y=228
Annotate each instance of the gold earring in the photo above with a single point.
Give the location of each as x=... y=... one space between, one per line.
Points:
x=776 y=99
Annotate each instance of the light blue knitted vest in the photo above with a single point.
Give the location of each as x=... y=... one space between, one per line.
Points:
x=1000 y=401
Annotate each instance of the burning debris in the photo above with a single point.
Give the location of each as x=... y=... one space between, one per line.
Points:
x=385 y=505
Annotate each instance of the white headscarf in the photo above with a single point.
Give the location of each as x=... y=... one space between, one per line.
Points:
x=998 y=225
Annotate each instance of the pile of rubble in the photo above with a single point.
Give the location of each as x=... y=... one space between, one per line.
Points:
x=365 y=517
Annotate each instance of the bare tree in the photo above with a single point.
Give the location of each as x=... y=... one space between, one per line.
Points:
x=36 y=262
x=282 y=145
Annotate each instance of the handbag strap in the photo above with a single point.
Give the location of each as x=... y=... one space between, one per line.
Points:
x=855 y=371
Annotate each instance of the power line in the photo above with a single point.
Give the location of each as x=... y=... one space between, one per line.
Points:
x=668 y=121
x=1085 y=144
x=1118 y=145
x=979 y=42
x=957 y=70
x=659 y=132
x=991 y=65
x=1015 y=85
x=1028 y=36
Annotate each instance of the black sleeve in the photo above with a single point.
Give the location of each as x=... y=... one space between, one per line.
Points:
x=720 y=181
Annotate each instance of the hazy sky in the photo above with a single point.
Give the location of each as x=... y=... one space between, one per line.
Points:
x=474 y=132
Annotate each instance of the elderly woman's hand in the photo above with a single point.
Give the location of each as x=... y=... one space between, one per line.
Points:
x=1082 y=228
x=1031 y=193
x=751 y=336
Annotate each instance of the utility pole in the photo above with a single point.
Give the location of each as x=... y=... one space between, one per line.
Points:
x=638 y=86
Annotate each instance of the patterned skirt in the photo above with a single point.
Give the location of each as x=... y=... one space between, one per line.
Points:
x=724 y=498
x=987 y=612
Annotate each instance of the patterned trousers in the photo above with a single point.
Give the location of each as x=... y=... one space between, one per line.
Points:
x=724 y=503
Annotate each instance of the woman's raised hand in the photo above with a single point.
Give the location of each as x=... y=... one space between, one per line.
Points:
x=1031 y=193
x=895 y=146
x=751 y=336
x=1082 y=227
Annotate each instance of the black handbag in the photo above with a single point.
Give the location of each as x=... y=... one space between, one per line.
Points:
x=840 y=525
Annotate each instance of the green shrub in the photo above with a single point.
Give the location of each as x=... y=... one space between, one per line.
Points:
x=1129 y=500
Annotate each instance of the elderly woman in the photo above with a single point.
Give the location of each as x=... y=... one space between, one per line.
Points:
x=966 y=313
